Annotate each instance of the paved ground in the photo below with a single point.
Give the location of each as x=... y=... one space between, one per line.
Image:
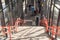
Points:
x=30 y=33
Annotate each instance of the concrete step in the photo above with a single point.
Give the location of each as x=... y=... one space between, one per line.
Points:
x=28 y=23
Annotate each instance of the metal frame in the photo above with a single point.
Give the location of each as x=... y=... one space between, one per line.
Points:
x=52 y=16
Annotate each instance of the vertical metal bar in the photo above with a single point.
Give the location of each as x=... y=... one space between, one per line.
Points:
x=50 y=19
x=50 y=14
x=48 y=9
x=2 y=19
x=53 y=12
x=11 y=9
x=22 y=14
x=40 y=5
x=57 y=24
